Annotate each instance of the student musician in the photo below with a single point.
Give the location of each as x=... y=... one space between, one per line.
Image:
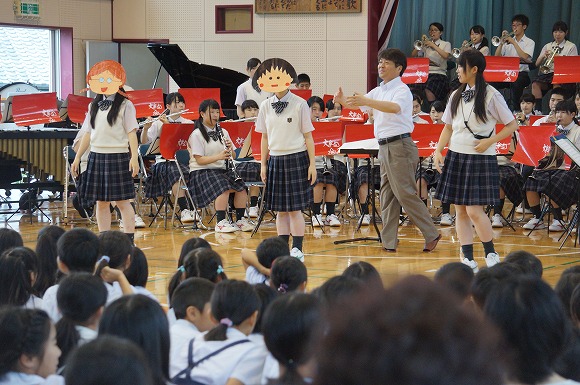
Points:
x=245 y=90
x=556 y=96
x=211 y=176
x=526 y=109
x=287 y=150
x=417 y=101
x=334 y=109
x=303 y=82
x=551 y=177
x=165 y=175
x=478 y=41
x=545 y=62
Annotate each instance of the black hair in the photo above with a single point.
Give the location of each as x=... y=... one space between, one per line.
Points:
x=113 y=110
x=266 y=295
x=527 y=97
x=316 y=99
x=9 y=238
x=338 y=290
x=174 y=97
x=302 y=78
x=366 y=272
x=567 y=106
x=528 y=262
x=293 y=326
x=108 y=360
x=22 y=331
x=270 y=249
x=486 y=279
x=330 y=104
x=479 y=29
x=472 y=58
x=522 y=19
x=191 y=244
x=117 y=246
x=268 y=65
x=253 y=63
x=575 y=305
x=205 y=107
x=533 y=322
x=457 y=277
x=194 y=292
x=202 y=263
x=78 y=249
x=438 y=105
x=559 y=91
x=16 y=266
x=46 y=253
x=396 y=56
x=138 y=271
x=437 y=25
x=249 y=103
x=234 y=301
x=417 y=97
x=564 y=288
x=79 y=297
x=287 y=274
x=560 y=26
x=143 y=321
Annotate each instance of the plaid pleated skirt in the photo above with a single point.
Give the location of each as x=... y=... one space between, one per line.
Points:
x=436 y=83
x=512 y=184
x=287 y=185
x=361 y=176
x=469 y=180
x=431 y=176
x=81 y=183
x=249 y=171
x=162 y=177
x=208 y=184
x=559 y=185
x=108 y=178
x=335 y=175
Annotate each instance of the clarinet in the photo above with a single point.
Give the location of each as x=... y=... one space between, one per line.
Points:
x=230 y=166
x=325 y=169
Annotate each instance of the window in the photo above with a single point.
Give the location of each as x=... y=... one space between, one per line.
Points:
x=234 y=18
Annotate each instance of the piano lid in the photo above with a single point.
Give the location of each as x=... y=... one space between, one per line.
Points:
x=189 y=74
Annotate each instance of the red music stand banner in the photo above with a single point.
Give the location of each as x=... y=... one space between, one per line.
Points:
x=147 y=102
x=304 y=94
x=503 y=146
x=256 y=144
x=193 y=98
x=238 y=131
x=77 y=107
x=35 y=109
x=426 y=137
x=174 y=137
x=417 y=70
x=356 y=132
x=502 y=69
x=349 y=115
x=566 y=69
x=533 y=118
x=327 y=138
x=533 y=144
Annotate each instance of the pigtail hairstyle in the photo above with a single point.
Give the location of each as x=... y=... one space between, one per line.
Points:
x=138 y=271
x=189 y=245
x=79 y=297
x=205 y=106
x=22 y=331
x=16 y=267
x=287 y=274
x=473 y=58
x=268 y=65
x=46 y=253
x=202 y=263
x=113 y=111
x=232 y=302
x=479 y=29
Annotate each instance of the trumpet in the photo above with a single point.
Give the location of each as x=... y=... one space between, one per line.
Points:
x=549 y=60
x=230 y=166
x=457 y=51
x=418 y=44
x=153 y=120
x=496 y=40
x=521 y=118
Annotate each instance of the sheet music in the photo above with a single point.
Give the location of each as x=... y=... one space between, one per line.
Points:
x=365 y=144
x=568 y=147
x=153 y=148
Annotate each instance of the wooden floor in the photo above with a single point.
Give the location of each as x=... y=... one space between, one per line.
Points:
x=324 y=259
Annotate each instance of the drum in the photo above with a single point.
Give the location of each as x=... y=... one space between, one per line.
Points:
x=9 y=90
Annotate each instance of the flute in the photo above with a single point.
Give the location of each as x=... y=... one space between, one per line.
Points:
x=152 y=120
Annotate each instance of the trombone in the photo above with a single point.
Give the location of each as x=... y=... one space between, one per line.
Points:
x=418 y=44
x=549 y=60
x=457 y=51
x=496 y=40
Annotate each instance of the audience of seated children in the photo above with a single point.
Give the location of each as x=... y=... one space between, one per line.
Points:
x=486 y=279
x=81 y=299
x=9 y=238
x=224 y=354
x=258 y=263
x=336 y=291
x=46 y=253
x=18 y=271
x=143 y=321
x=366 y=272
x=118 y=248
x=526 y=261
x=288 y=274
x=189 y=245
x=138 y=273
x=456 y=277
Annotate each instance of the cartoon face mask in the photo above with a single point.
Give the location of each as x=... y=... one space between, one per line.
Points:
x=106 y=77
x=274 y=75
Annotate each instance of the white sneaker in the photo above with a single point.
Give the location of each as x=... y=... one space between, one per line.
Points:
x=492 y=259
x=332 y=220
x=446 y=220
x=317 y=220
x=496 y=221
x=120 y=223
x=520 y=210
x=556 y=226
x=366 y=220
x=471 y=264
x=253 y=212
x=534 y=223
x=187 y=216
x=225 y=226
x=244 y=225
x=296 y=253
x=139 y=223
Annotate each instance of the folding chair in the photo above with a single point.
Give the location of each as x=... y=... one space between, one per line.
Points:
x=69 y=156
x=182 y=156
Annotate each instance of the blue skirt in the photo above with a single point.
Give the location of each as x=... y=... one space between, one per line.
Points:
x=287 y=185
x=108 y=178
x=207 y=184
x=162 y=178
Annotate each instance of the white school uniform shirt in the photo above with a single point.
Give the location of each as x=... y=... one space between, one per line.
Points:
x=484 y=50
x=33 y=303
x=389 y=124
x=86 y=334
x=254 y=277
x=526 y=44
x=19 y=378
x=568 y=49
x=543 y=119
x=244 y=362
x=245 y=92
x=180 y=333
x=271 y=369
x=440 y=66
x=198 y=146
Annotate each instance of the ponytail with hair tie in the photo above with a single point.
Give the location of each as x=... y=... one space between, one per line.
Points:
x=283 y=288
x=226 y=321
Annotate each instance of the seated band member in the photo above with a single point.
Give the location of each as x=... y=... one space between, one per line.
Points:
x=511 y=184
x=210 y=147
x=563 y=47
x=556 y=96
x=417 y=101
x=551 y=177
x=164 y=175
x=245 y=90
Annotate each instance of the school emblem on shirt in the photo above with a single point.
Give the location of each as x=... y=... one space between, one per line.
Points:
x=289 y=120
